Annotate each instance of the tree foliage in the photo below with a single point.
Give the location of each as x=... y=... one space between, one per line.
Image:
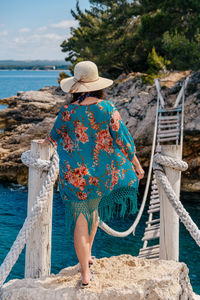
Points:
x=121 y=35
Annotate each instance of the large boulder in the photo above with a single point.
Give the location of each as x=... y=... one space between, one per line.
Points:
x=121 y=277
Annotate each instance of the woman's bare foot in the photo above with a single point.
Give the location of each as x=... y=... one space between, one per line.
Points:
x=86 y=277
x=90 y=260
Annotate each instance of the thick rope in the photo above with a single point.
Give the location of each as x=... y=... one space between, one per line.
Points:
x=35 y=214
x=161 y=179
x=37 y=163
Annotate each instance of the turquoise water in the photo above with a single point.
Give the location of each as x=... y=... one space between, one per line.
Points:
x=13 y=81
x=13 y=206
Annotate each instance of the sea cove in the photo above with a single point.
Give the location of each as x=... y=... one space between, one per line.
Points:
x=13 y=201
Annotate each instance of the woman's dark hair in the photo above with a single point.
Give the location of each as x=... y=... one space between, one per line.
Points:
x=97 y=94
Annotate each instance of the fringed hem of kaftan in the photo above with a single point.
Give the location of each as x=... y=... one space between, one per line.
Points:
x=118 y=203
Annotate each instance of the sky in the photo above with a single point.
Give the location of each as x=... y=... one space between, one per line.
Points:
x=34 y=29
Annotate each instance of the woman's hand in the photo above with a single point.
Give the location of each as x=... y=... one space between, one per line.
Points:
x=139 y=172
x=44 y=142
x=138 y=168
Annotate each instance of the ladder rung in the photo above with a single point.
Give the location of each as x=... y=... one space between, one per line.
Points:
x=169 y=125
x=153 y=210
x=154 y=202
x=169 y=109
x=153 y=234
x=147 y=229
x=153 y=197
x=168 y=131
x=161 y=135
x=153 y=256
x=154 y=187
x=154 y=206
x=153 y=221
x=167 y=139
x=150 y=251
x=154 y=192
x=169 y=117
x=151 y=247
x=168 y=121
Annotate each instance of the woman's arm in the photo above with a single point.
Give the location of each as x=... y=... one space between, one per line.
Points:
x=120 y=134
x=138 y=167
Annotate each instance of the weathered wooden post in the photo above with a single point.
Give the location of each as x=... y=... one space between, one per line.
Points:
x=38 y=248
x=169 y=220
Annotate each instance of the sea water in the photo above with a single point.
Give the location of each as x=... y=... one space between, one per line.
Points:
x=12 y=81
x=13 y=208
x=13 y=211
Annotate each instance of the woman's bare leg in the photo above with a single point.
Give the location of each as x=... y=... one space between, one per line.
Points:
x=92 y=235
x=82 y=246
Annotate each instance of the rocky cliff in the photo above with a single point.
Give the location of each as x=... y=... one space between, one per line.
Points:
x=30 y=115
x=115 y=278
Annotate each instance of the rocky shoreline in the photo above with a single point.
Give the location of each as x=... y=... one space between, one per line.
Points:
x=117 y=277
x=30 y=115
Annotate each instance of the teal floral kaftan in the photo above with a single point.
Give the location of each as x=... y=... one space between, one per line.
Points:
x=95 y=150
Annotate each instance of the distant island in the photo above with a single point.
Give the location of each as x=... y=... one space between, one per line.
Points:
x=33 y=65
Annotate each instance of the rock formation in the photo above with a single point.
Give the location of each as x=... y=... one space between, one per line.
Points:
x=118 y=277
x=30 y=115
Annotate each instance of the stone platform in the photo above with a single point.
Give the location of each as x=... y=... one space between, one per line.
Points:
x=121 y=277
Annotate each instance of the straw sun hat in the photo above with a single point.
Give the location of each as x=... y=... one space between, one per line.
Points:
x=85 y=79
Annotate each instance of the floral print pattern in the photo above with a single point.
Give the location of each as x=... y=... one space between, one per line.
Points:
x=95 y=151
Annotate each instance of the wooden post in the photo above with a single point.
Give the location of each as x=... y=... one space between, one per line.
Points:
x=169 y=220
x=38 y=248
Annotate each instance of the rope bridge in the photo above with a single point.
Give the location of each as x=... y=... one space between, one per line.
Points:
x=52 y=168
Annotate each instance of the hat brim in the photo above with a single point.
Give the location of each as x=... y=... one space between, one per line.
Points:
x=81 y=87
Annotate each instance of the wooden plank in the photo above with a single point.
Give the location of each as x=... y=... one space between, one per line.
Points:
x=153 y=234
x=168 y=131
x=169 y=117
x=153 y=210
x=172 y=134
x=154 y=188
x=168 y=139
x=149 y=248
x=154 y=181
x=150 y=252
x=38 y=247
x=152 y=197
x=156 y=199
x=169 y=110
x=147 y=229
x=169 y=220
x=154 y=193
x=154 y=206
x=168 y=121
x=153 y=256
x=154 y=203
x=169 y=126
x=153 y=221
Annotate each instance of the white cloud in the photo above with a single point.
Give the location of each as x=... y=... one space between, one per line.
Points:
x=53 y=36
x=65 y=24
x=24 y=30
x=19 y=40
x=1 y=25
x=40 y=43
x=42 y=28
x=3 y=33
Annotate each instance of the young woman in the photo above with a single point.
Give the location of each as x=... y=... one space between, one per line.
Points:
x=98 y=169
